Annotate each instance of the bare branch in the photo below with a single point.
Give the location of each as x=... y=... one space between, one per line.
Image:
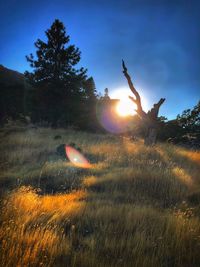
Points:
x=137 y=99
x=133 y=99
x=153 y=113
x=149 y=119
x=131 y=86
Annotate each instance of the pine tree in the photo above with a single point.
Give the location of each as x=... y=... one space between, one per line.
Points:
x=90 y=89
x=57 y=85
x=189 y=120
x=89 y=120
x=106 y=95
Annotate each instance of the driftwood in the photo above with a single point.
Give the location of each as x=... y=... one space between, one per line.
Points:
x=150 y=118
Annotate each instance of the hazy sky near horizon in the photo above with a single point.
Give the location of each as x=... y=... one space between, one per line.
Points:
x=159 y=41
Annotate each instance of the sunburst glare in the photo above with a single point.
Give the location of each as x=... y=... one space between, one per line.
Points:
x=125 y=107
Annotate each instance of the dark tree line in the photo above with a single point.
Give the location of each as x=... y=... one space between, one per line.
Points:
x=56 y=92
x=61 y=94
x=152 y=127
x=186 y=123
x=184 y=129
x=189 y=120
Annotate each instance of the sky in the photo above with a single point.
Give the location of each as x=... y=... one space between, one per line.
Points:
x=159 y=41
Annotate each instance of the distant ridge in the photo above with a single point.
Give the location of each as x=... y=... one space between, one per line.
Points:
x=10 y=77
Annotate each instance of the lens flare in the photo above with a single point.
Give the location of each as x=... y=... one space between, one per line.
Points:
x=109 y=118
x=77 y=158
x=125 y=107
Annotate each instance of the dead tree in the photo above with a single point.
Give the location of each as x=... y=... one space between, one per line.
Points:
x=150 y=119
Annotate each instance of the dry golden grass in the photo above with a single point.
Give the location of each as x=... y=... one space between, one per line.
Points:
x=136 y=206
x=32 y=229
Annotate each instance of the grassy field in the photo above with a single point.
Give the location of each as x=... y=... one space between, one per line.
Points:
x=136 y=206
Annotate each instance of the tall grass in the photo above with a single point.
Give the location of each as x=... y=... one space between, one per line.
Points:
x=136 y=206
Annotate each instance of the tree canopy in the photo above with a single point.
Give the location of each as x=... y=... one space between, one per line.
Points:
x=60 y=92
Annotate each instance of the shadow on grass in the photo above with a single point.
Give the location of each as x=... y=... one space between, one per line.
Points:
x=187 y=168
x=140 y=188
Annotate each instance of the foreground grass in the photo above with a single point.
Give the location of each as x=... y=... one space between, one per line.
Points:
x=136 y=206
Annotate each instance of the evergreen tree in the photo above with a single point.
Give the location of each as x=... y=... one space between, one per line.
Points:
x=90 y=90
x=189 y=120
x=89 y=119
x=57 y=91
x=106 y=94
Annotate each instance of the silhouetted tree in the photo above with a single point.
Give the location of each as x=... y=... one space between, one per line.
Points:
x=169 y=130
x=106 y=94
x=149 y=119
x=88 y=117
x=182 y=129
x=189 y=120
x=57 y=92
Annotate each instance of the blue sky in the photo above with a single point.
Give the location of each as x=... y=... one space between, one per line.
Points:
x=159 y=40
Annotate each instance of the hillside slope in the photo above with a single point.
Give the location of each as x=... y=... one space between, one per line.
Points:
x=10 y=77
x=136 y=206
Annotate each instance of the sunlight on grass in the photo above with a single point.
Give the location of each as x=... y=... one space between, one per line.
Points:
x=89 y=181
x=183 y=175
x=192 y=155
x=32 y=231
x=136 y=206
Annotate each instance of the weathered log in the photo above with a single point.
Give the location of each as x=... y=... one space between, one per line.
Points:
x=150 y=118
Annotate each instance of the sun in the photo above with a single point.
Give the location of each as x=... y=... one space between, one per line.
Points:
x=125 y=107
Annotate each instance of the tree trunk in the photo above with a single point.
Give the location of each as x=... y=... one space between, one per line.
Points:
x=151 y=136
x=150 y=118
